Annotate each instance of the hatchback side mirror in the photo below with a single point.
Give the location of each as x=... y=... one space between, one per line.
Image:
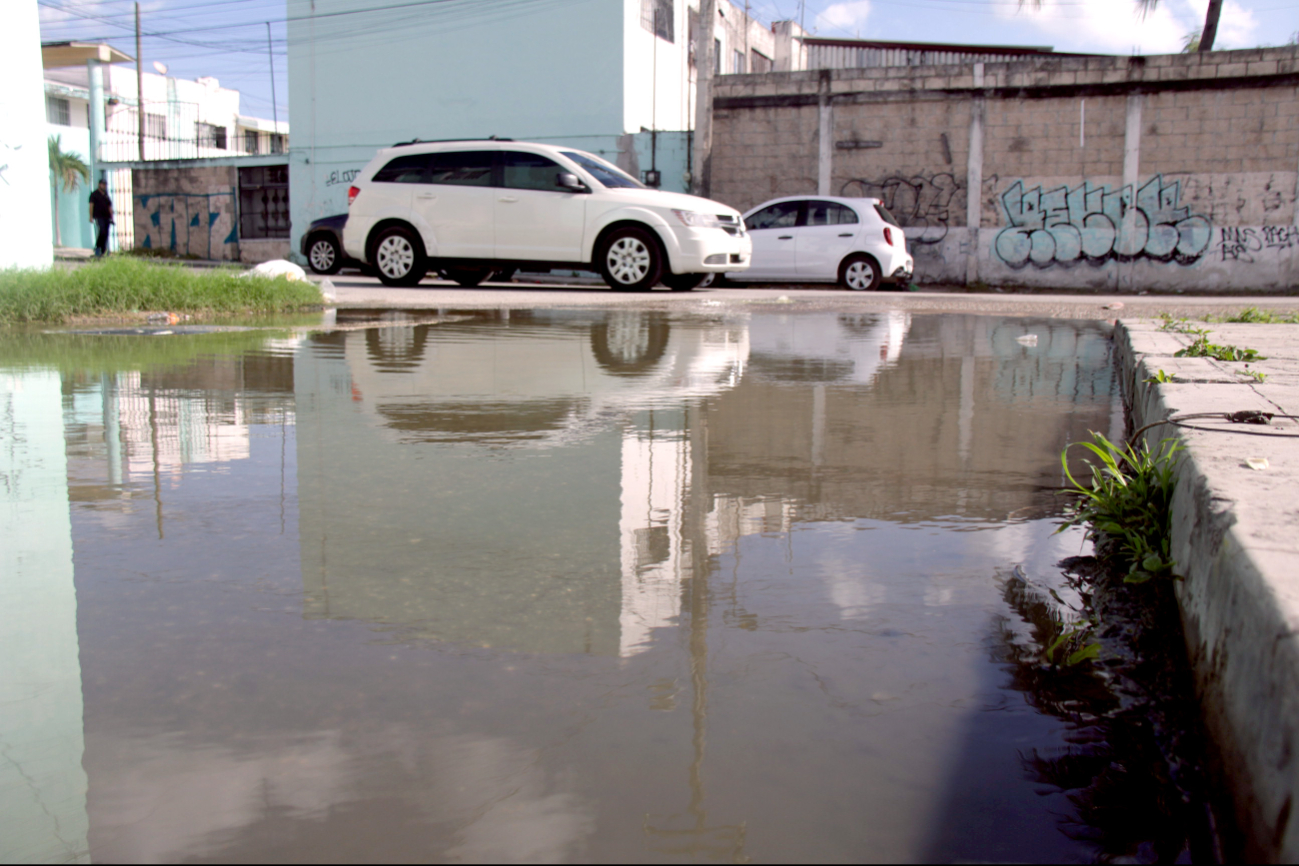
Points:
x=568 y=180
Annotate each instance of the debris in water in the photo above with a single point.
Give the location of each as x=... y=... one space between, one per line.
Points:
x=1256 y=462
x=1027 y=340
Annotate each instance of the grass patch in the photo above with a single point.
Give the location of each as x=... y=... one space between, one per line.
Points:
x=123 y=285
x=96 y=353
x=1255 y=316
x=1126 y=504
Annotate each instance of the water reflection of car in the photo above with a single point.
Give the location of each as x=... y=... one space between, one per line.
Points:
x=854 y=242
x=322 y=245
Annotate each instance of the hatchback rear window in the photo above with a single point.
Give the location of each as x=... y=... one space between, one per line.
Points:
x=886 y=216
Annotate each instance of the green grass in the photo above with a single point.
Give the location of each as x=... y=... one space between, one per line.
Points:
x=123 y=285
x=1255 y=316
x=1127 y=504
x=95 y=353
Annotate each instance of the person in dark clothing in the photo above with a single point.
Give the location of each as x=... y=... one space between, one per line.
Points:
x=101 y=214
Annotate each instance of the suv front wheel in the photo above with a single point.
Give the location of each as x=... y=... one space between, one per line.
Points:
x=630 y=259
x=399 y=257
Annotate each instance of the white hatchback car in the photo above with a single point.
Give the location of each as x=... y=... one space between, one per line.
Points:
x=852 y=241
x=469 y=208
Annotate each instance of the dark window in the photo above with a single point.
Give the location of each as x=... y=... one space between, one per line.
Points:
x=657 y=17
x=252 y=143
x=405 y=169
x=57 y=111
x=602 y=171
x=759 y=62
x=155 y=126
x=885 y=215
x=264 y=202
x=210 y=136
x=782 y=215
x=530 y=171
x=717 y=57
x=828 y=213
x=277 y=143
x=464 y=168
x=737 y=62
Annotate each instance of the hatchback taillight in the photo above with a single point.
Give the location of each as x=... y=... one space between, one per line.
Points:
x=352 y=191
x=888 y=233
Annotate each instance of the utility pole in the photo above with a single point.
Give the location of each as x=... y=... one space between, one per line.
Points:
x=702 y=163
x=139 y=82
x=275 y=109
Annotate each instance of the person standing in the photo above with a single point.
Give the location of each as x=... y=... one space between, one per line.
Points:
x=101 y=214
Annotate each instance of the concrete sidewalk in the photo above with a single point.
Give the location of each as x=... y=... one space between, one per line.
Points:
x=1235 y=537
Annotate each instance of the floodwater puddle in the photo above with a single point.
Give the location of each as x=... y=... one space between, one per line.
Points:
x=541 y=585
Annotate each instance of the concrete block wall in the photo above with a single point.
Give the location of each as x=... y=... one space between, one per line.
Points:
x=189 y=211
x=1173 y=172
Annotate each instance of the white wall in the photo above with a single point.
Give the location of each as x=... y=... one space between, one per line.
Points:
x=24 y=158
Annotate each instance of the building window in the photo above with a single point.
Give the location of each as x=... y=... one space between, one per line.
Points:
x=210 y=136
x=737 y=62
x=657 y=17
x=759 y=63
x=57 y=111
x=264 y=202
x=717 y=57
x=251 y=141
x=155 y=126
x=277 y=143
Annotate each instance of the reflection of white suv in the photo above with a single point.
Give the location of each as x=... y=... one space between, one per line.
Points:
x=469 y=208
x=852 y=241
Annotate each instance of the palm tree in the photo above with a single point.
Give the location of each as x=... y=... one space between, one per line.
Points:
x=68 y=169
x=1205 y=40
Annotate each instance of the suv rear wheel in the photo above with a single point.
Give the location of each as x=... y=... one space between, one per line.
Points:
x=399 y=257
x=630 y=259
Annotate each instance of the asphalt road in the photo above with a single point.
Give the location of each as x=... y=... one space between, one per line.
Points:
x=354 y=291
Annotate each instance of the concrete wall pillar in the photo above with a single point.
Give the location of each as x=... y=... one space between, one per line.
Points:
x=825 y=135
x=1130 y=241
x=974 y=181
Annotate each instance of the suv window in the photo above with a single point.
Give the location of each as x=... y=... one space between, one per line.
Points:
x=782 y=215
x=404 y=169
x=604 y=172
x=464 y=168
x=829 y=213
x=530 y=171
x=886 y=216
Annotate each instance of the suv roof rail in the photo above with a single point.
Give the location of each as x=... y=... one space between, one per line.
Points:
x=447 y=140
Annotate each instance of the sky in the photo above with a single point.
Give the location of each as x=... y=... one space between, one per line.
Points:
x=228 y=39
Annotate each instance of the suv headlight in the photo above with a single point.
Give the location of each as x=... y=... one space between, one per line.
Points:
x=698 y=220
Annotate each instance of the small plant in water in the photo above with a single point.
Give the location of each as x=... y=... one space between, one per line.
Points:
x=1126 y=505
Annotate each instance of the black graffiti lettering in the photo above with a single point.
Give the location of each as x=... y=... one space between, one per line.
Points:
x=1280 y=237
x=336 y=177
x=1239 y=244
x=916 y=202
x=1093 y=224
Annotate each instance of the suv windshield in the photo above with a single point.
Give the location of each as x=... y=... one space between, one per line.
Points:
x=604 y=172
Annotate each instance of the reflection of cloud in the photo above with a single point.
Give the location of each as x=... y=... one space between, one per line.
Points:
x=853 y=590
x=164 y=799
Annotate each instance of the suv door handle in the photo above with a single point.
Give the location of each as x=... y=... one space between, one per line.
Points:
x=785 y=238
x=508 y=199
x=428 y=195
x=846 y=235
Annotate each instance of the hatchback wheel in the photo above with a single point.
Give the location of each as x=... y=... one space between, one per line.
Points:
x=323 y=255
x=630 y=260
x=859 y=273
x=399 y=257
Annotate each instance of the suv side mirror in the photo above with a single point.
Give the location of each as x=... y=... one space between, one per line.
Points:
x=569 y=181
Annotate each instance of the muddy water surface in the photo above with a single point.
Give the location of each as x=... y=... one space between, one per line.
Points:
x=537 y=586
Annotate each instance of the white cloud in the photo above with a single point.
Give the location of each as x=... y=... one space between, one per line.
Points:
x=1116 y=26
x=847 y=17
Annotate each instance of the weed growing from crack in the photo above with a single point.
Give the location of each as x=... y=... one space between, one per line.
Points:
x=1126 y=504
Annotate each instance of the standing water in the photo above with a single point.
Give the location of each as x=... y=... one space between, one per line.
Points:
x=542 y=585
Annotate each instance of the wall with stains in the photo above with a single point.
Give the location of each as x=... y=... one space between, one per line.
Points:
x=1174 y=172
x=188 y=211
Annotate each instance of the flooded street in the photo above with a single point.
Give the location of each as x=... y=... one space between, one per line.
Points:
x=553 y=585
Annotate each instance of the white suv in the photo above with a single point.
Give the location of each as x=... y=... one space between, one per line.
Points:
x=468 y=208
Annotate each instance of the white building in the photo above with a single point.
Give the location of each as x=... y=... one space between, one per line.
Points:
x=613 y=77
x=183 y=119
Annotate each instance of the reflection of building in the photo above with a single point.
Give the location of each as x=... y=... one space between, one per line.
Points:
x=523 y=477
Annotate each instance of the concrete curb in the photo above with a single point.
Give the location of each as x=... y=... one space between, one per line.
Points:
x=1235 y=538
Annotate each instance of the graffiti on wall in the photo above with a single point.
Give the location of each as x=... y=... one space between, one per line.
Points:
x=917 y=202
x=195 y=224
x=1240 y=244
x=1066 y=226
